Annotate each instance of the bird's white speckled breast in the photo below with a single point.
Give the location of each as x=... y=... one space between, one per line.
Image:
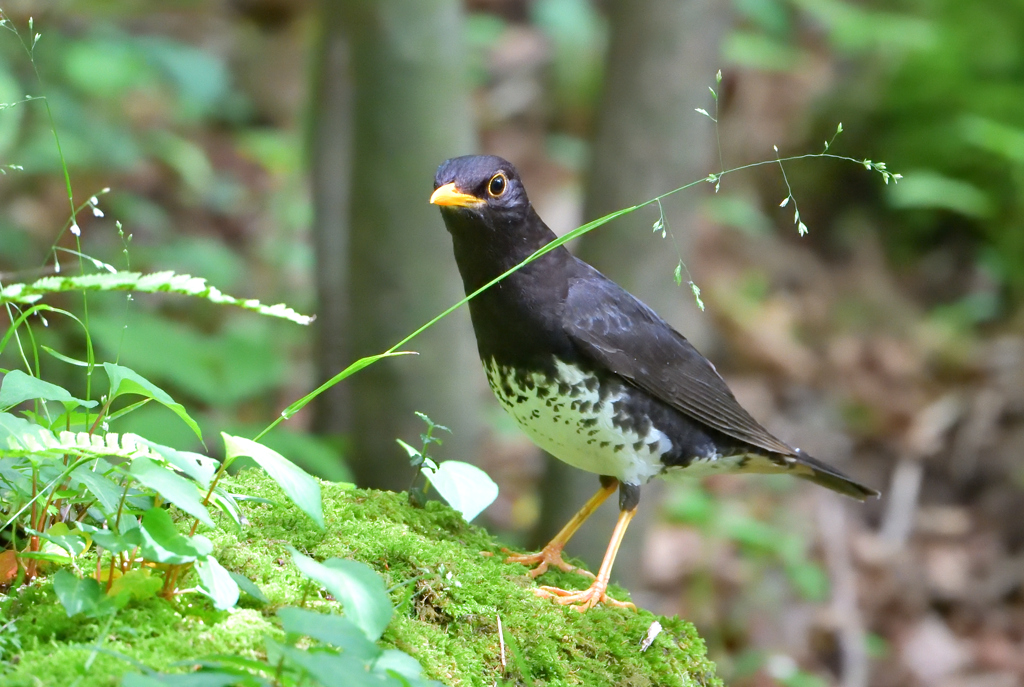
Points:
x=575 y=419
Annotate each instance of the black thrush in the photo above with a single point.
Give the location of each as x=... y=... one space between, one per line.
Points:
x=590 y=373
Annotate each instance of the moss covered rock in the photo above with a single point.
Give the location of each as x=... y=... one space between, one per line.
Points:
x=448 y=593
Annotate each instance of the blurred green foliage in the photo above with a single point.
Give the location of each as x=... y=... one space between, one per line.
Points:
x=202 y=182
x=939 y=97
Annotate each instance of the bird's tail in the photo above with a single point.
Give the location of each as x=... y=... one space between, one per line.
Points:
x=813 y=470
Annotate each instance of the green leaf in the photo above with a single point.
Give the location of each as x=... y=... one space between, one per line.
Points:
x=138 y=584
x=64 y=358
x=229 y=506
x=197 y=466
x=931 y=190
x=326 y=667
x=356 y=585
x=414 y=453
x=107 y=539
x=161 y=542
x=76 y=595
x=61 y=536
x=196 y=679
x=126 y=381
x=300 y=487
x=249 y=587
x=18 y=387
x=217 y=583
x=465 y=487
x=335 y=630
x=400 y=663
x=106 y=491
x=172 y=486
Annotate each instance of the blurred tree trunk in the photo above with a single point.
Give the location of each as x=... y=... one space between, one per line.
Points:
x=329 y=148
x=663 y=54
x=411 y=112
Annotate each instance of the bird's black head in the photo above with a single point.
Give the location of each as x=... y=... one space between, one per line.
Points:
x=486 y=210
x=480 y=190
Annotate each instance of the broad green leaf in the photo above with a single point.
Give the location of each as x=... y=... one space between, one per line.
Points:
x=50 y=554
x=76 y=595
x=18 y=387
x=465 y=487
x=106 y=539
x=161 y=542
x=106 y=491
x=139 y=584
x=335 y=630
x=172 y=486
x=328 y=668
x=60 y=536
x=126 y=381
x=196 y=679
x=16 y=473
x=249 y=587
x=301 y=488
x=356 y=585
x=197 y=466
x=400 y=663
x=217 y=583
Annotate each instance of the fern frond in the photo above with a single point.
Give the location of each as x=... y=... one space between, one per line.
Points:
x=19 y=437
x=156 y=282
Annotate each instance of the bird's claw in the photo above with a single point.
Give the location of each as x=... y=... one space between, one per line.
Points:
x=548 y=557
x=582 y=600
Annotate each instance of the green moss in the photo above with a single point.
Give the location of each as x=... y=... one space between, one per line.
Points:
x=448 y=597
x=55 y=648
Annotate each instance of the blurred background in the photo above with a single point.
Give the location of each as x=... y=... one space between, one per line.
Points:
x=285 y=150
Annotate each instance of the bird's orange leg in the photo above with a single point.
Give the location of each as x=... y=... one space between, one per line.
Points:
x=595 y=594
x=551 y=555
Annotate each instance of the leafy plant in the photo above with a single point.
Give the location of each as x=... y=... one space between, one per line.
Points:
x=338 y=647
x=465 y=487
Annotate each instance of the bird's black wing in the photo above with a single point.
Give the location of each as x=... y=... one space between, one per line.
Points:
x=618 y=332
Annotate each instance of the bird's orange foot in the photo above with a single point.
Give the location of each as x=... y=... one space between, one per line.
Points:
x=548 y=557
x=582 y=600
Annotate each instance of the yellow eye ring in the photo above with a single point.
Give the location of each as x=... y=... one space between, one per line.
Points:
x=497 y=185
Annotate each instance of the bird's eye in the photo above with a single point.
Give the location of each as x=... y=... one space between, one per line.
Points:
x=497 y=185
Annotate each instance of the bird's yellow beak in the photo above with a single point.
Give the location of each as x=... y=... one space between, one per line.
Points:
x=448 y=195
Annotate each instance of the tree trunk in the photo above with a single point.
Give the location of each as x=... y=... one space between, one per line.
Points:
x=411 y=112
x=330 y=151
x=663 y=55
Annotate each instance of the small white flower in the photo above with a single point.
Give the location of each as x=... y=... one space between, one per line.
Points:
x=75 y=229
